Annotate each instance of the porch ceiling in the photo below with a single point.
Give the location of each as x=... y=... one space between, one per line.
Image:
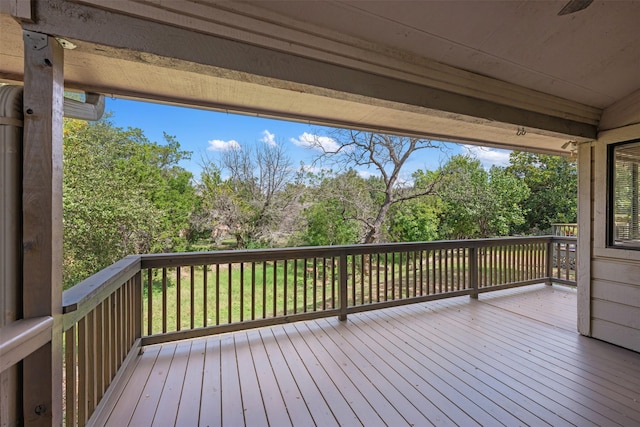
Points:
x=462 y=71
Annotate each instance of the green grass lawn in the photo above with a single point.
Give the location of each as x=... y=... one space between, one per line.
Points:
x=226 y=298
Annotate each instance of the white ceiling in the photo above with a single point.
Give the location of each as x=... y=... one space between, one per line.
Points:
x=522 y=42
x=470 y=71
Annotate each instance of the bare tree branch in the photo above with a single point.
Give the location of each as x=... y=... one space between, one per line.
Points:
x=387 y=155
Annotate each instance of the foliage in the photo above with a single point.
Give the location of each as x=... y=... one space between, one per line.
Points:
x=415 y=220
x=553 y=185
x=386 y=155
x=122 y=194
x=477 y=203
x=338 y=202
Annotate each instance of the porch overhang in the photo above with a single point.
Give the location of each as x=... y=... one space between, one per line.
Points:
x=261 y=58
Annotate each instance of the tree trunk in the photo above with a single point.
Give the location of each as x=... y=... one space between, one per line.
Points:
x=373 y=235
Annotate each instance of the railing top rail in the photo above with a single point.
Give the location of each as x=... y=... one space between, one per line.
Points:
x=23 y=337
x=96 y=288
x=258 y=255
x=84 y=296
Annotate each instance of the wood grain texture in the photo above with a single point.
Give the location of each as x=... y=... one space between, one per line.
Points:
x=42 y=223
x=20 y=338
x=512 y=357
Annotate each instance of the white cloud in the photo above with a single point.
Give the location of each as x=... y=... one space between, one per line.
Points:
x=268 y=138
x=220 y=145
x=488 y=156
x=308 y=140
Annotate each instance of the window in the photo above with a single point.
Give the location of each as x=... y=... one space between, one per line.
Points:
x=624 y=195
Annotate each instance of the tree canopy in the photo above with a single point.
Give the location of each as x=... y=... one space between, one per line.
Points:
x=479 y=203
x=386 y=155
x=125 y=194
x=553 y=189
x=250 y=202
x=122 y=194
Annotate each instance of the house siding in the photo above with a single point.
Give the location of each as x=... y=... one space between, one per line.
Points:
x=613 y=284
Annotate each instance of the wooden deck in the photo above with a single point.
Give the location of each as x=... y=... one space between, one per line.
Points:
x=511 y=358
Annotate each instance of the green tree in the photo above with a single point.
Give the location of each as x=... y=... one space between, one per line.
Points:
x=167 y=185
x=415 y=220
x=327 y=226
x=116 y=188
x=386 y=155
x=553 y=185
x=477 y=203
x=336 y=208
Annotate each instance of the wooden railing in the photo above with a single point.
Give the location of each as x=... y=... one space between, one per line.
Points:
x=102 y=324
x=564 y=259
x=149 y=299
x=196 y=294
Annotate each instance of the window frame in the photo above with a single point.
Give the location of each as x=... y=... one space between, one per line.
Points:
x=610 y=188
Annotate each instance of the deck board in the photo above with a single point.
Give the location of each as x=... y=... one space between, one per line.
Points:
x=154 y=381
x=293 y=371
x=454 y=371
x=274 y=404
x=134 y=387
x=231 y=392
x=510 y=358
x=167 y=410
x=189 y=401
x=211 y=399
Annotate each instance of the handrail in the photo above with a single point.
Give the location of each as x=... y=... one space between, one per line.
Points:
x=22 y=337
x=86 y=295
x=233 y=256
x=101 y=323
x=83 y=297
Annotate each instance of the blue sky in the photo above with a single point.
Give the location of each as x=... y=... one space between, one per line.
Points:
x=205 y=133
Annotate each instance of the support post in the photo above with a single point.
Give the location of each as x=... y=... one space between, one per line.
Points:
x=342 y=281
x=585 y=235
x=42 y=223
x=549 y=266
x=473 y=272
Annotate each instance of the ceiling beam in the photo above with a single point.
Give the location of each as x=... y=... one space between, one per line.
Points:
x=186 y=50
x=253 y=25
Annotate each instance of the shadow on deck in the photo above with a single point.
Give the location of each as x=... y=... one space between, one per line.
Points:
x=512 y=357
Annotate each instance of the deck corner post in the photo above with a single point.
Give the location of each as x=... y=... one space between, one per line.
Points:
x=549 y=266
x=473 y=272
x=342 y=280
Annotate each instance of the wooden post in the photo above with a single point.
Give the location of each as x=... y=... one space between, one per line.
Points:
x=137 y=295
x=42 y=223
x=342 y=281
x=473 y=272
x=549 y=272
x=585 y=227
